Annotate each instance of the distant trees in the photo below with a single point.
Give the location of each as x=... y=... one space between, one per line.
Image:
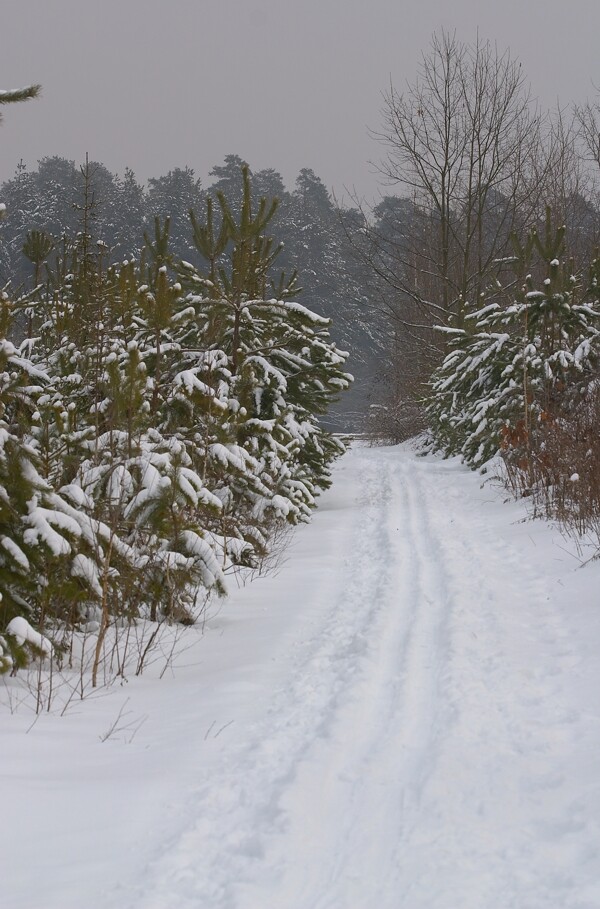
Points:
x=462 y=147
x=587 y=138
x=172 y=196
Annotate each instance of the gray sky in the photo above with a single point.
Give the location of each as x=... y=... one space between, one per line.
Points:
x=287 y=84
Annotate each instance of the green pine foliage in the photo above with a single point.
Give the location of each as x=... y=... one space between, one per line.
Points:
x=13 y=656
x=514 y=369
x=16 y=95
x=113 y=376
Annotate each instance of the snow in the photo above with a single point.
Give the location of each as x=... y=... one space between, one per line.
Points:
x=15 y=552
x=20 y=629
x=404 y=714
x=233 y=456
x=196 y=546
x=84 y=567
x=42 y=522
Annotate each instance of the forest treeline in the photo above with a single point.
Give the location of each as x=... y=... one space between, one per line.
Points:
x=311 y=227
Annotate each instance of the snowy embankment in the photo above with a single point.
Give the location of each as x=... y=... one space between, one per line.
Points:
x=405 y=717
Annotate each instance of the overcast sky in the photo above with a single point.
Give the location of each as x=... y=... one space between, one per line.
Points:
x=284 y=83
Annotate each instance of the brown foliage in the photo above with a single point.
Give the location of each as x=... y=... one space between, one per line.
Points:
x=558 y=463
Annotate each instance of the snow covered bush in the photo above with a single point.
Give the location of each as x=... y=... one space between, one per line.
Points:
x=514 y=371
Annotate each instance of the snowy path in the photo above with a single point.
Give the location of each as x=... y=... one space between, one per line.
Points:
x=420 y=731
x=410 y=760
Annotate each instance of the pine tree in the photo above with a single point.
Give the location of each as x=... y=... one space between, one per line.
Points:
x=226 y=182
x=40 y=532
x=281 y=371
x=509 y=375
x=108 y=340
x=36 y=529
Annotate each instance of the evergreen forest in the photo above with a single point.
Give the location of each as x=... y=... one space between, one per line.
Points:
x=165 y=395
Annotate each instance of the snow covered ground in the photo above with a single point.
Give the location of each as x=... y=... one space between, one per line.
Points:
x=407 y=716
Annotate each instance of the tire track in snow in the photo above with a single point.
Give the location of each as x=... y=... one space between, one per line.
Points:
x=382 y=746
x=422 y=711
x=229 y=816
x=357 y=758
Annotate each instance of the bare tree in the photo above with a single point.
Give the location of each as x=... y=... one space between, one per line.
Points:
x=460 y=142
x=587 y=123
x=571 y=186
x=467 y=152
x=588 y=118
